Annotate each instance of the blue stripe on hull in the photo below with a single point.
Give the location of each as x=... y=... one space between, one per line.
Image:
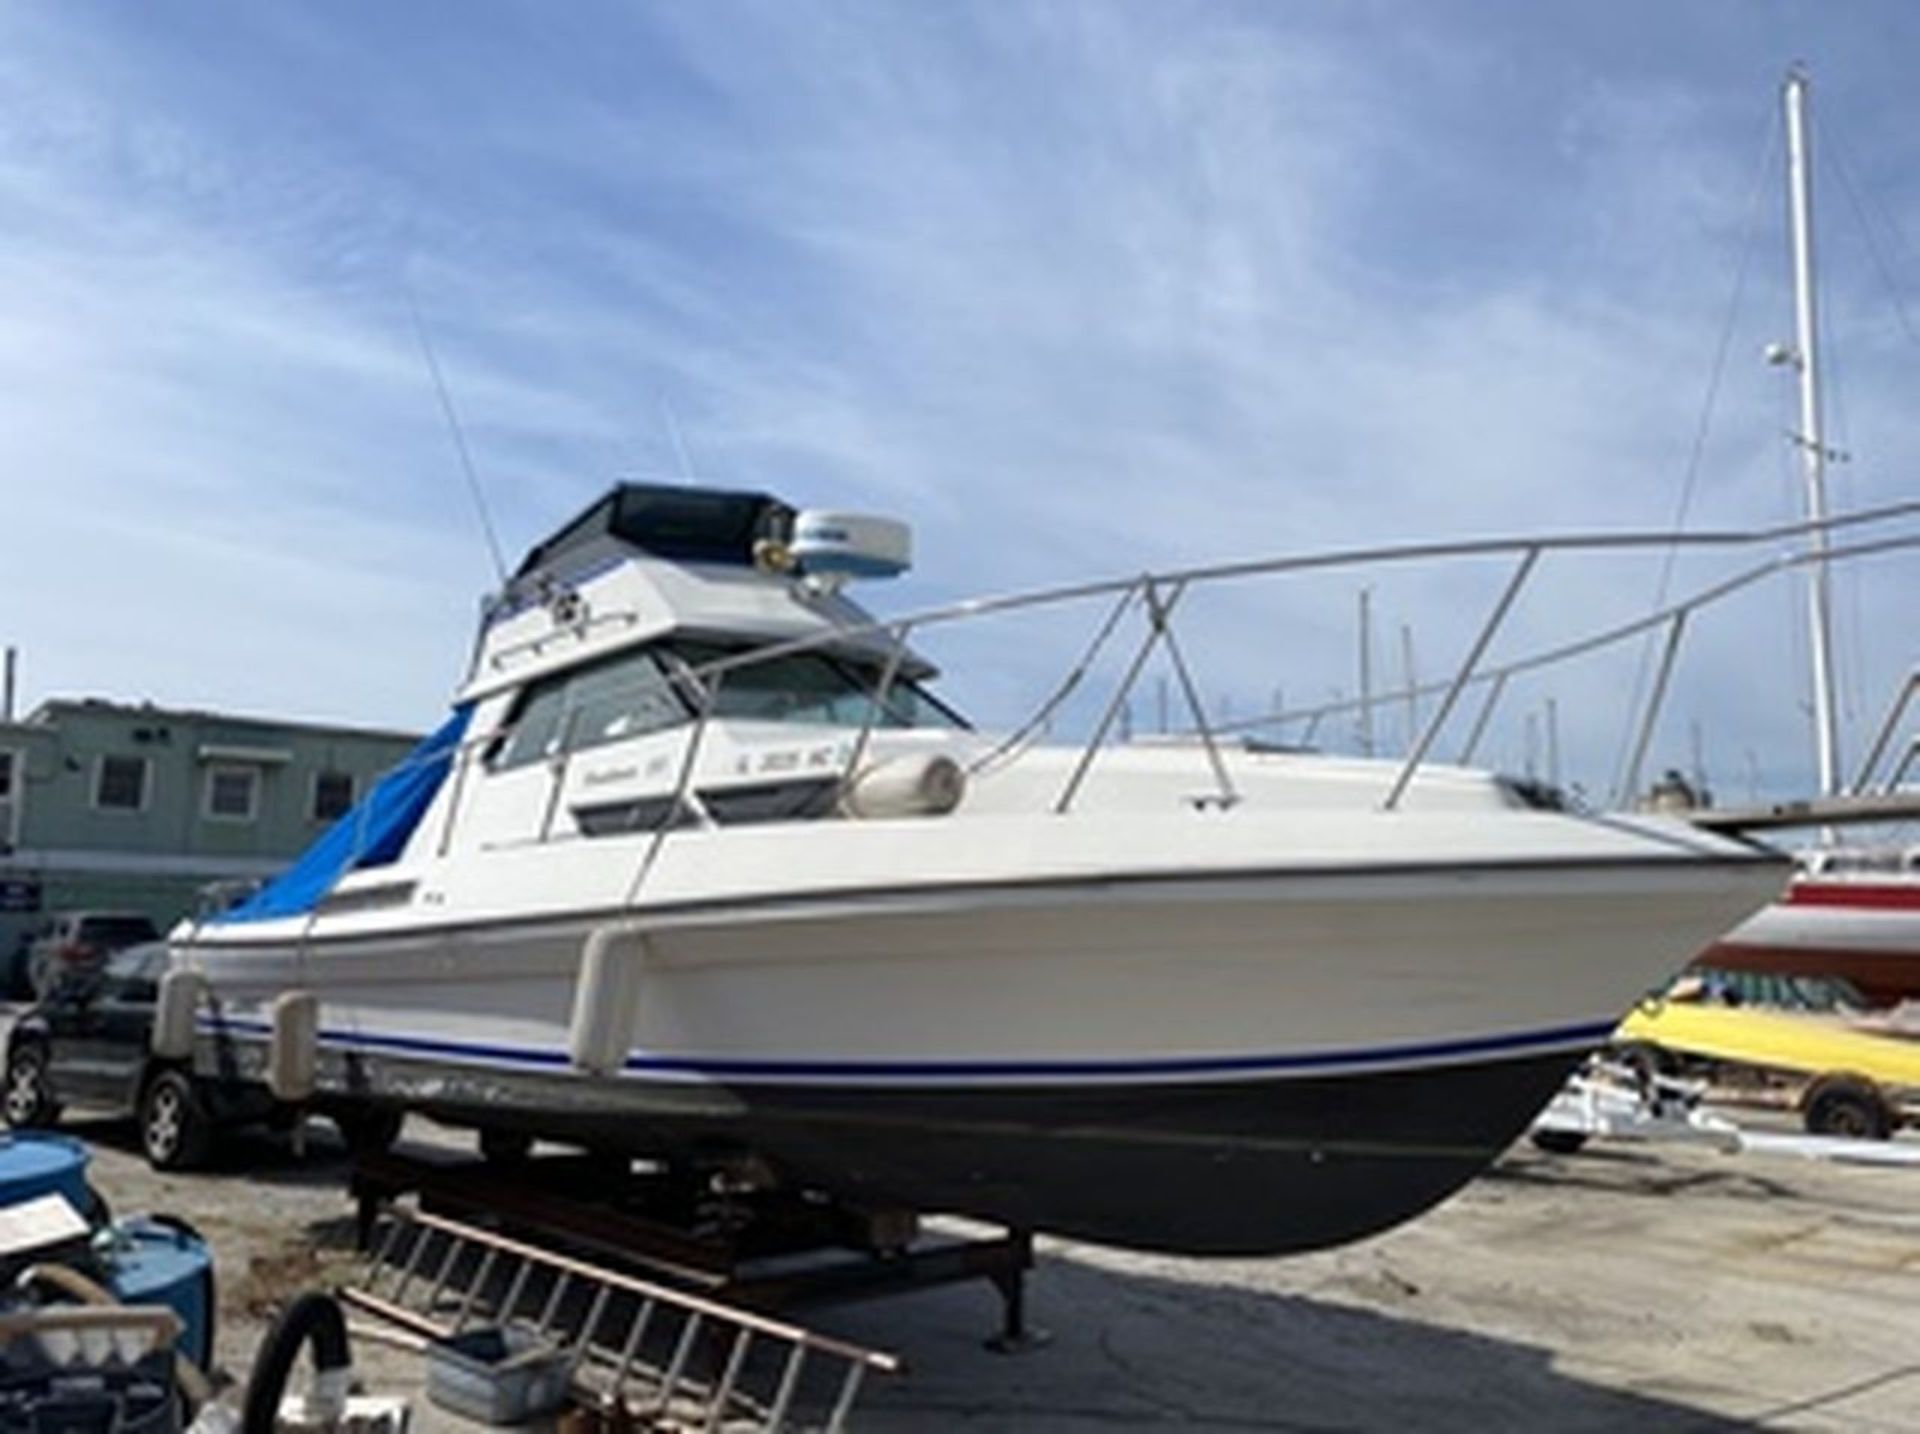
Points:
x=1369 y=1058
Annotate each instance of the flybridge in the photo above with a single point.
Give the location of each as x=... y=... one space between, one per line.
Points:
x=687 y=525
x=733 y=529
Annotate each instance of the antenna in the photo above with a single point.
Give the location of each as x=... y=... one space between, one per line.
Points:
x=459 y=435
x=679 y=443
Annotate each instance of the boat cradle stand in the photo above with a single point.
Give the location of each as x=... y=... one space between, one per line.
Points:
x=766 y=1252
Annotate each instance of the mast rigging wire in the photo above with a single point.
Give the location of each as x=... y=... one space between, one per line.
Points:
x=1834 y=150
x=1696 y=454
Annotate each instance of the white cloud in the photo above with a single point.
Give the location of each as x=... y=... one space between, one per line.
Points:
x=1078 y=288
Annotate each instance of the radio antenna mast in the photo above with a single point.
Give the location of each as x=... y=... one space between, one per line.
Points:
x=459 y=434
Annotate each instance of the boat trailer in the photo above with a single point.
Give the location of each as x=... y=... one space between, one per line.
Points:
x=1622 y=1099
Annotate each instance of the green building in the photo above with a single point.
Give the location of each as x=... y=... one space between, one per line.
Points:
x=137 y=808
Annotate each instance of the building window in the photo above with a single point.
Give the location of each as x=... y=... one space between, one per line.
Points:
x=332 y=795
x=233 y=793
x=120 y=784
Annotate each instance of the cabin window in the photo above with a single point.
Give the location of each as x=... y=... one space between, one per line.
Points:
x=332 y=795
x=120 y=784
x=627 y=695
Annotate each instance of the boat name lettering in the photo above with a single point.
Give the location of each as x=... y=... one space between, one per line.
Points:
x=609 y=774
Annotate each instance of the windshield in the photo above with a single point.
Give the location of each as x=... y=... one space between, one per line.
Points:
x=815 y=687
x=647 y=690
x=116 y=931
x=136 y=963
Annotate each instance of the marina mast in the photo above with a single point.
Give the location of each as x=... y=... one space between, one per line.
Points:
x=1810 y=439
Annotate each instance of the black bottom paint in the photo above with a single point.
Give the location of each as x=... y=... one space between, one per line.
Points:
x=1231 y=1168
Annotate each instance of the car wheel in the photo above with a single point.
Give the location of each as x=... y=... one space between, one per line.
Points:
x=27 y=1101
x=176 y=1133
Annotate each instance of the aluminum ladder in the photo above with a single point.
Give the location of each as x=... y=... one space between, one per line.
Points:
x=666 y=1358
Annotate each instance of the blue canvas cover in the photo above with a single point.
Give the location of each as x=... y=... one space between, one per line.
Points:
x=375 y=830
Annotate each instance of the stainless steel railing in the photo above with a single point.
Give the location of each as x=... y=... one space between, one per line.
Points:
x=1156 y=597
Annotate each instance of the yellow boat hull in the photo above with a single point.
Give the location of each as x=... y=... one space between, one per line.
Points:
x=1779 y=1040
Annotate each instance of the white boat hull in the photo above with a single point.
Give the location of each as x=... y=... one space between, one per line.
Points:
x=1224 y=1061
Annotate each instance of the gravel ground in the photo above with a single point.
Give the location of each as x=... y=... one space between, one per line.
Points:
x=1627 y=1286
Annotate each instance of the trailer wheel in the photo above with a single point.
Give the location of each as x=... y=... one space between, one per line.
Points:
x=176 y=1132
x=1847 y=1106
x=1558 y=1142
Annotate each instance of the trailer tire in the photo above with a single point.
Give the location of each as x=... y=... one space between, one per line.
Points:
x=1846 y=1106
x=1558 y=1142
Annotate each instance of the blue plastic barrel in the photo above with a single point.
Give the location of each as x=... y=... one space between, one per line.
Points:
x=35 y=1164
x=152 y=1262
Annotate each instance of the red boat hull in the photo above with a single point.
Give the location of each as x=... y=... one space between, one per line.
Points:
x=1863 y=931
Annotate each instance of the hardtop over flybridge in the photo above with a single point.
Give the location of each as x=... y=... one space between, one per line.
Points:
x=701 y=868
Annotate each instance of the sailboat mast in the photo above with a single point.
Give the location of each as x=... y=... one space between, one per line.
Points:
x=1811 y=440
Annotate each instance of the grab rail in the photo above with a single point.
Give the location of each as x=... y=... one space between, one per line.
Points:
x=1159 y=594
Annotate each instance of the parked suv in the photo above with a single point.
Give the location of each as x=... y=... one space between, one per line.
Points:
x=90 y=1042
x=79 y=942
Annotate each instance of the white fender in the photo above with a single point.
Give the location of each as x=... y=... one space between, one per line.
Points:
x=293 y=1051
x=176 y=1013
x=606 y=998
x=928 y=785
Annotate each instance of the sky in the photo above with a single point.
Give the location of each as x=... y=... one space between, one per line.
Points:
x=1078 y=289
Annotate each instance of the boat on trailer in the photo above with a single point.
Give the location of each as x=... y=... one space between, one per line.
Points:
x=701 y=869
